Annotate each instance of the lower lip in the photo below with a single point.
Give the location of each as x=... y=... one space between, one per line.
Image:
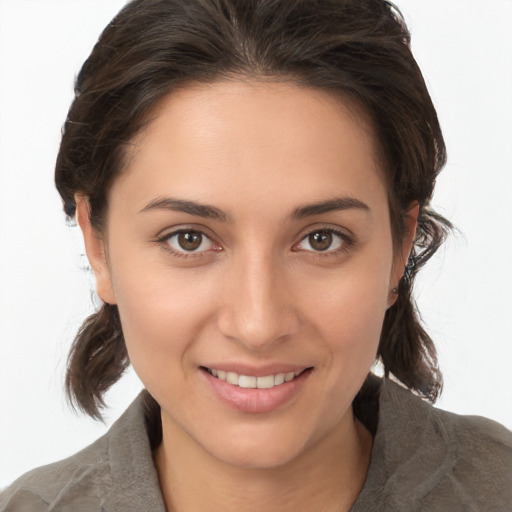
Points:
x=257 y=401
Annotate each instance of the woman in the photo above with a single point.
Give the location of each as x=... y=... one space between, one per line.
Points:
x=252 y=180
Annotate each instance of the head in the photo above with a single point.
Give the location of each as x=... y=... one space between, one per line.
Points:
x=350 y=58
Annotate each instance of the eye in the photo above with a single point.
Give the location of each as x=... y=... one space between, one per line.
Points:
x=188 y=241
x=322 y=240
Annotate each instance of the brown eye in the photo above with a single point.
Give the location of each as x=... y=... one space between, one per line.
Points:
x=190 y=240
x=320 y=240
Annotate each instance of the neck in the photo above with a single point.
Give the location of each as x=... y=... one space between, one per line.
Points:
x=327 y=476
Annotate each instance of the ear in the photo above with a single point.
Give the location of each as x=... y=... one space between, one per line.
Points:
x=402 y=254
x=95 y=249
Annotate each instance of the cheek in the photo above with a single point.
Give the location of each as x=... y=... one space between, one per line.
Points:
x=161 y=313
x=349 y=310
x=352 y=325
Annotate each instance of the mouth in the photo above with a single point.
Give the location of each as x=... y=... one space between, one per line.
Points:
x=255 y=382
x=255 y=394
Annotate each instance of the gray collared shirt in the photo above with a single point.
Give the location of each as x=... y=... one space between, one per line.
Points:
x=423 y=459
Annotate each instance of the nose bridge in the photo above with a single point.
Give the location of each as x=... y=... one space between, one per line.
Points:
x=257 y=310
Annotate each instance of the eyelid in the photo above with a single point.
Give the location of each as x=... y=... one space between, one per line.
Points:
x=167 y=234
x=346 y=239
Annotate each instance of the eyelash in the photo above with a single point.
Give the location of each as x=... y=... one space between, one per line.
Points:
x=164 y=241
x=346 y=242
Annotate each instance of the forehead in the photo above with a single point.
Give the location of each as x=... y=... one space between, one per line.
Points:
x=224 y=140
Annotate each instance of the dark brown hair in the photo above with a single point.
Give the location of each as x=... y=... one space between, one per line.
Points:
x=359 y=49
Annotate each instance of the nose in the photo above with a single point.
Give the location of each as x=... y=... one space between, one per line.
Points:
x=258 y=309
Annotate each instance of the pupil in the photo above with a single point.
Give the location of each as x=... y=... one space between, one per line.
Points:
x=190 y=240
x=321 y=240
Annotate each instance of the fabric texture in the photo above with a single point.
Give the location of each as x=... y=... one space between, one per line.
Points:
x=423 y=459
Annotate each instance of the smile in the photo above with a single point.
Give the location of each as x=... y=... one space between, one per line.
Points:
x=252 y=382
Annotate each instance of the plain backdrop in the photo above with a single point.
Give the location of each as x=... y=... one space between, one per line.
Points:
x=464 y=48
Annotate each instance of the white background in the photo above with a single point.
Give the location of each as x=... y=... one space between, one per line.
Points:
x=465 y=50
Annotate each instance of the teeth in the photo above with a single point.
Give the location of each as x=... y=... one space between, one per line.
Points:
x=232 y=378
x=244 y=381
x=289 y=376
x=278 y=379
x=265 y=382
x=251 y=382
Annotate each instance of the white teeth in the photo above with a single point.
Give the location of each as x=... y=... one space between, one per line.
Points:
x=232 y=378
x=278 y=379
x=251 y=382
x=289 y=376
x=266 y=382
x=244 y=381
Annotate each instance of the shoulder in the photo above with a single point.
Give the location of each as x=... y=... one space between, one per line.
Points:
x=481 y=451
x=115 y=473
x=450 y=461
x=70 y=482
x=477 y=436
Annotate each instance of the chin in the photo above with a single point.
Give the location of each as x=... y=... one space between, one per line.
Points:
x=263 y=445
x=256 y=455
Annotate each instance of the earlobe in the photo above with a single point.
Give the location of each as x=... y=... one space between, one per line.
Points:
x=95 y=249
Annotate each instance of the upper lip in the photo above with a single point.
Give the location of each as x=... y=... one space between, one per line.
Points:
x=256 y=371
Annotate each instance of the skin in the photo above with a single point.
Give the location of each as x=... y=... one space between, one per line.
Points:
x=256 y=292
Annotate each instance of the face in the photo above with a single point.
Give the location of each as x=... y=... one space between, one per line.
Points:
x=249 y=250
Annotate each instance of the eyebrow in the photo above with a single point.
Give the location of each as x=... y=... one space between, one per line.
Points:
x=211 y=212
x=190 y=207
x=337 y=203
